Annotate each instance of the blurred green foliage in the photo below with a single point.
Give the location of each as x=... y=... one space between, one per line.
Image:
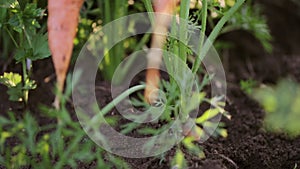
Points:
x=282 y=105
x=248 y=85
x=250 y=18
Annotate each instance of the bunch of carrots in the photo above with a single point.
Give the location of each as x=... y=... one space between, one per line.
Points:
x=62 y=25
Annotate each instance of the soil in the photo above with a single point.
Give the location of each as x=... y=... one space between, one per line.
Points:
x=248 y=145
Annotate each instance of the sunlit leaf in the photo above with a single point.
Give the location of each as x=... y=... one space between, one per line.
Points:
x=11 y=79
x=207 y=115
x=179 y=161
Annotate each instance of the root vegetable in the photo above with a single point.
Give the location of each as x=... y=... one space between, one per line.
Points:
x=62 y=25
x=154 y=57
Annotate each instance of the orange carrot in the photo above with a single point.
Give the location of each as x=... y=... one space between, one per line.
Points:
x=155 y=57
x=62 y=25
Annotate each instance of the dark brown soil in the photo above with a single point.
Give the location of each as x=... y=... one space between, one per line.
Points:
x=248 y=145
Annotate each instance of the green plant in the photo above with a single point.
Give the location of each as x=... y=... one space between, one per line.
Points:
x=249 y=18
x=281 y=103
x=174 y=101
x=22 y=19
x=248 y=85
x=14 y=83
x=51 y=145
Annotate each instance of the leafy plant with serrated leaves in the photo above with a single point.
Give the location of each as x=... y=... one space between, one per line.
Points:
x=15 y=87
x=20 y=21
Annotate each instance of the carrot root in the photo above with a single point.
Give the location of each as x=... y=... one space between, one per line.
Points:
x=152 y=81
x=63 y=19
x=158 y=40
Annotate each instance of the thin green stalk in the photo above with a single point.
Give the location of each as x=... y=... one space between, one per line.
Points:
x=184 y=14
x=114 y=55
x=12 y=38
x=25 y=74
x=25 y=92
x=28 y=38
x=122 y=96
x=149 y=8
x=203 y=29
x=107 y=39
x=212 y=37
x=119 y=51
x=107 y=16
x=112 y=104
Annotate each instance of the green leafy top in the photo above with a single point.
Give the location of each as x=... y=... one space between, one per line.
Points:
x=24 y=18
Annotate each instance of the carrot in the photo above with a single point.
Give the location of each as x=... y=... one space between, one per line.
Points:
x=155 y=57
x=62 y=25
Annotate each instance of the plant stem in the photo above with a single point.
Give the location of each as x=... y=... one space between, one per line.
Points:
x=118 y=99
x=12 y=38
x=111 y=105
x=149 y=8
x=25 y=92
x=212 y=37
x=203 y=29
x=184 y=14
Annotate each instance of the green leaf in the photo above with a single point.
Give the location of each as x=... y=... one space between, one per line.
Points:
x=118 y=162
x=29 y=15
x=210 y=113
x=4 y=121
x=3 y=14
x=16 y=23
x=148 y=130
x=193 y=148
x=7 y=3
x=194 y=102
x=15 y=93
x=179 y=161
x=10 y=79
x=40 y=47
x=23 y=53
x=249 y=18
